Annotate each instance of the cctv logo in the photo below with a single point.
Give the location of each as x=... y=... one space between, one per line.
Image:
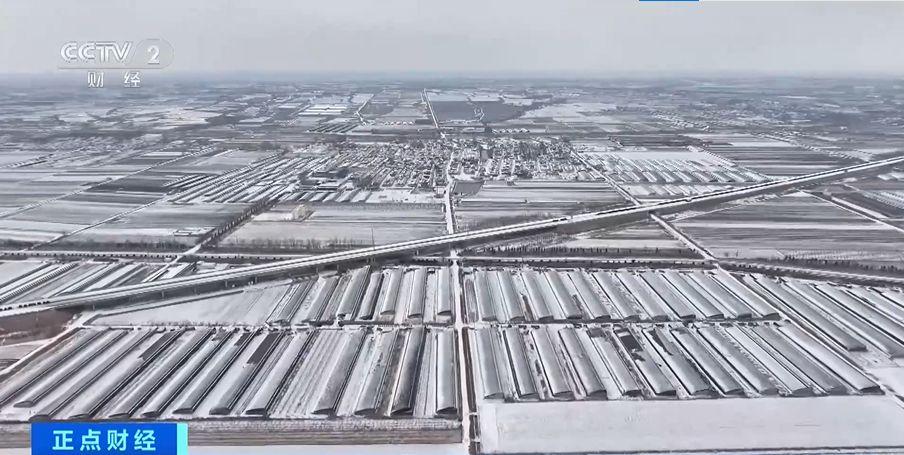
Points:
x=96 y=52
x=151 y=53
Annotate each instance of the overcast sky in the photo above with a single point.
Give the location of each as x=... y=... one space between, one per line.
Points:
x=567 y=37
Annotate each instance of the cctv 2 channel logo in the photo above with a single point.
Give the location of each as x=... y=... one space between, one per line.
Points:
x=148 y=54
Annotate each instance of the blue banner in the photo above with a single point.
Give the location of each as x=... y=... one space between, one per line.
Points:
x=109 y=438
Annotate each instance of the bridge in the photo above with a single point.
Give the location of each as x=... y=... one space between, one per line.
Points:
x=564 y=225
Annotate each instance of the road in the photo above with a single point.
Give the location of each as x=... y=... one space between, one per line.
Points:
x=656 y=218
x=567 y=224
x=432 y=115
x=467 y=414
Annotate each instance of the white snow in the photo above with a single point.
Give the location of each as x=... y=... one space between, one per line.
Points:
x=726 y=424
